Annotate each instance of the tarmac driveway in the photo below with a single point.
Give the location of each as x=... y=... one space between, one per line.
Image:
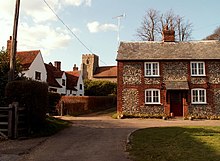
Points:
x=90 y=138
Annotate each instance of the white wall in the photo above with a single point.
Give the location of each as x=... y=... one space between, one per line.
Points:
x=63 y=89
x=37 y=65
x=80 y=81
x=68 y=93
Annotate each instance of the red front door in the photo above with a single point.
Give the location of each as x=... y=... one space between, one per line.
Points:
x=176 y=103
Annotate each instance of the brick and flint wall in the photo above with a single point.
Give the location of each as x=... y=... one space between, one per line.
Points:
x=132 y=85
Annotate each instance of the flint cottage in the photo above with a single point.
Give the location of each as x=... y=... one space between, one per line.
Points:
x=168 y=77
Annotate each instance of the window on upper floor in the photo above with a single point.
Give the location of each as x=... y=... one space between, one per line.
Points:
x=37 y=75
x=152 y=96
x=63 y=82
x=197 y=68
x=198 y=96
x=151 y=69
x=80 y=87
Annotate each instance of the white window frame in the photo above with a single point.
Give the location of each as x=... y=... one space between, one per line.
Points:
x=152 y=96
x=151 y=69
x=197 y=69
x=198 y=101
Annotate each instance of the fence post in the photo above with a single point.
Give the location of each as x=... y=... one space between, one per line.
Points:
x=61 y=108
x=15 y=105
x=10 y=121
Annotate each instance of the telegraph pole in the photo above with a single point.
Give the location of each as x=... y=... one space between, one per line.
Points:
x=11 y=75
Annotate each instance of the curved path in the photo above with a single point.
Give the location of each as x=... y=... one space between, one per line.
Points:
x=96 y=137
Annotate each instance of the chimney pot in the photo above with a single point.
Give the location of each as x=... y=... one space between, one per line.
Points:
x=168 y=34
x=9 y=45
x=57 y=64
x=75 y=68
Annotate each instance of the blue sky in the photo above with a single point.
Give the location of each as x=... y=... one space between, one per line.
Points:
x=92 y=21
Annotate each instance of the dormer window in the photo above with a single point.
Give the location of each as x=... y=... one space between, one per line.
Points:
x=197 y=68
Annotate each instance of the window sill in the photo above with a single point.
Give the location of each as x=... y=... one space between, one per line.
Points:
x=197 y=103
x=153 y=76
x=198 y=75
x=153 y=104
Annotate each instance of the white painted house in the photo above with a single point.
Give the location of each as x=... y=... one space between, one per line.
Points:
x=33 y=65
x=65 y=83
x=77 y=81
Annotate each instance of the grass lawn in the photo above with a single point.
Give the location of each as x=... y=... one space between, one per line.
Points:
x=175 y=144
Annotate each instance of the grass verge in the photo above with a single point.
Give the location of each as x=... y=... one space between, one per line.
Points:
x=175 y=144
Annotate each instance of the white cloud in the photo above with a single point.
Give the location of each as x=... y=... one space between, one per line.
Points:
x=41 y=37
x=97 y=27
x=34 y=34
x=77 y=2
x=39 y=11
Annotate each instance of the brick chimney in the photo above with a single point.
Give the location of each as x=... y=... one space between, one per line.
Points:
x=168 y=34
x=57 y=64
x=9 y=45
x=75 y=68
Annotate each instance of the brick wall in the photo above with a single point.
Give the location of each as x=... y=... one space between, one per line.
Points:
x=132 y=84
x=75 y=105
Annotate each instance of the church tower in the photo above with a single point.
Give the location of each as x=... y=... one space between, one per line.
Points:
x=89 y=64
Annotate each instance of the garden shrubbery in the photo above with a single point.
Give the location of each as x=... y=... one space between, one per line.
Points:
x=99 y=88
x=33 y=96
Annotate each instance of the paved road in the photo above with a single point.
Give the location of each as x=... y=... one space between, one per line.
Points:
x=93 y=138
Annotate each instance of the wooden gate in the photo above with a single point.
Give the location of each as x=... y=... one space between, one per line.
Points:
x=13 y=121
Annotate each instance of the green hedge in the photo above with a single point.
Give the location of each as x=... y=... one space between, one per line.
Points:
x=32 y=95
x=99 y=88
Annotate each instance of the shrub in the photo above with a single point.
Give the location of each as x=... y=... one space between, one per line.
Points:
x=33 y=96
x=99 y=88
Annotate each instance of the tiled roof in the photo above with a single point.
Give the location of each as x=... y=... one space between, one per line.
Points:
x=26 y=57
x=192 y=50
x=106 y=72
x=74 y=73
x=50 y=76
x=71 y=81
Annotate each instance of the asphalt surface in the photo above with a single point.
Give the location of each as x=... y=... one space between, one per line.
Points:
x=95 y=137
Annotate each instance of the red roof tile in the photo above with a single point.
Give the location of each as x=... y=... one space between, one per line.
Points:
x=50 y=76
x=106 y=72
x=74 y=73
x=71 y=81
x=26 y=58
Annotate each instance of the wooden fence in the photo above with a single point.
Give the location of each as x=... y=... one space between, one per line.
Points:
x=13 y=121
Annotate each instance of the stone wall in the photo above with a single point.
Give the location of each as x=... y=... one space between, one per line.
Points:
x=132 y=74
x=132 y=83
x=152 y=110
x=200 y=111
x=175 y=71
x=198 y=80
x=214 y=72
x=130 y=101
x=152 y=80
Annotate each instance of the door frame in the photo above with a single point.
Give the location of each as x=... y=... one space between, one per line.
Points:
x=184 y=105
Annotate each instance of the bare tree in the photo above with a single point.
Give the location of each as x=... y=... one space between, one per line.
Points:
x=149 y=26
x=153 y=24
x=215 y=35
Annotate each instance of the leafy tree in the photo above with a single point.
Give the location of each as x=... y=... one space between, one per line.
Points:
x=215 y=35
x=4 y=69
x=99 y=88
x=154 y=22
